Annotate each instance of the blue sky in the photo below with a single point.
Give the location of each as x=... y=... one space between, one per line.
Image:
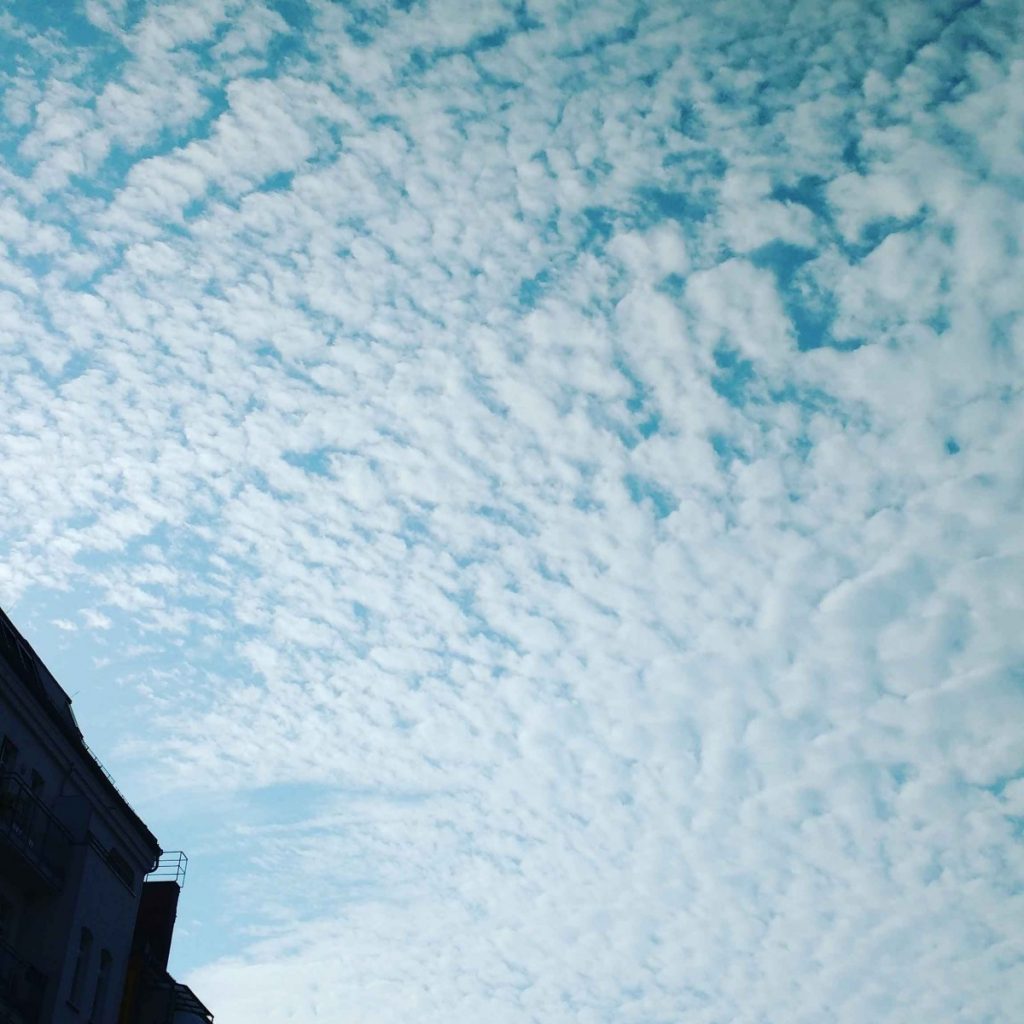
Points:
x=529 y=495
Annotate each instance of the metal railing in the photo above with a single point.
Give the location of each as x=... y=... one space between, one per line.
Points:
x=22 y=987
x=172 y=867
x=187 y=1005
x=32 y=827
x=106 y=774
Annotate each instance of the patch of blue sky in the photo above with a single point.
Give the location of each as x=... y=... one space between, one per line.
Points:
x=532 y=289
x=598 y=226
x=525 y=19
x=647 y=492
x=998 y=786
x=977 y=158
x=726 y=450
x=193 y=210
x=597 y=171
x=120 y=160
x=38 y=264
x=485 y=41
x=649 y=425
x=496 y=83
x=68 y=20
x=875 y=232
x=697 y=163
x=159 y=535
x=812 y=310
x=295 y=12
x=1016 y=823
x=1001 y=337
x=601 y=41
x=483 y=391
x=689 y=121
x=11 y=155
x=733 y=377
x=584 y=501
x=810 y=399
x=363 y=613
x=465 y=119
x=476 y=622
x=672 y=285
x=945 y=15
x=316 y=461
x=605 y=417
x=656 y=205
x=421 y=60
x=641 y=405
x=47 y=627
x=516 y=518
x=808 y=191
x=362 y=29
x=415 y=529
x=852 y=156
x=543 y=567
x=281 y=50
x=284 y=802
x=131 y=12
x=280 y=181
x=77 y=363
x=784 y=260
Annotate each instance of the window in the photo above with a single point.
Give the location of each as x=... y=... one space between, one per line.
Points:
x=99 y=995
x=8 y=755
x=121 y=867
x=37 y=785
x=6 y=915
x=81 y=967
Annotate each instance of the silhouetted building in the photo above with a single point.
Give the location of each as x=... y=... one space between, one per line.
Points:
x=151 y=995
x=73 y=861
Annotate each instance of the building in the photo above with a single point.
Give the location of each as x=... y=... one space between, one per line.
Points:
x=151 y=995
x=77 y=915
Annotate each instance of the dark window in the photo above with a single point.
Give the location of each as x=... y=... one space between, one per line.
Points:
x=121 y=867
x=99 y=995
x=81 y=967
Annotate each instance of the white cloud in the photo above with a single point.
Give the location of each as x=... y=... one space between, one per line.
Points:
x=508 y=605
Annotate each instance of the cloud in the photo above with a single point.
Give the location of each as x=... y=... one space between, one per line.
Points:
x=538 y=486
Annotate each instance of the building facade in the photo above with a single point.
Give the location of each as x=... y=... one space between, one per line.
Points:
x=74 y=858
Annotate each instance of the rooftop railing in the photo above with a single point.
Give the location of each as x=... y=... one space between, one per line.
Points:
x=172 y=867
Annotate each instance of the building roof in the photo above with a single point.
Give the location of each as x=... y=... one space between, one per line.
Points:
x=30 y=669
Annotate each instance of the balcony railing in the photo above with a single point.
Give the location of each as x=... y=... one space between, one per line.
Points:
x=187 y=1007
x=30 y=826
x=22 y=988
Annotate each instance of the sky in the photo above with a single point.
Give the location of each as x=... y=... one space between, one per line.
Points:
x=529 y=495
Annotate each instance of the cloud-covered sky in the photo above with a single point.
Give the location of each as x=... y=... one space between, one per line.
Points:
x=529 y=495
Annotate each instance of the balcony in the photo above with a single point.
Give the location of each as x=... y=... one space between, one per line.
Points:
x=22 y=988
x=187 y=1009
x=30 y=831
